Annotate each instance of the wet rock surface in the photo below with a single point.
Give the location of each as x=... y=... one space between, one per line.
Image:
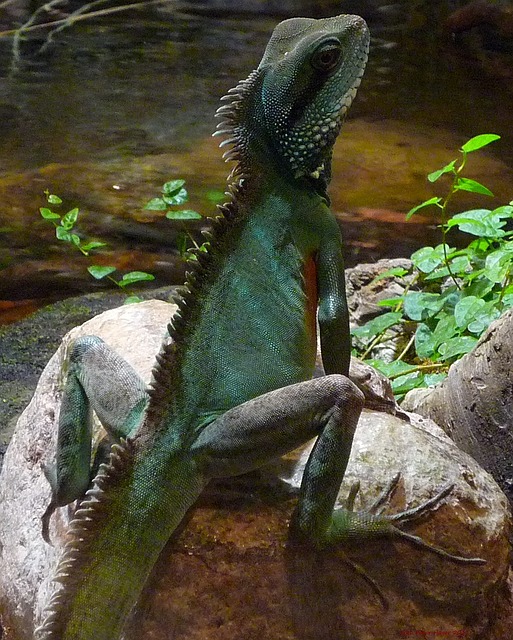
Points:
x=232 y=572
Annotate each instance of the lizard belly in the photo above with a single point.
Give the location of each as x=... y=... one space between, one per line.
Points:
x=255 y=344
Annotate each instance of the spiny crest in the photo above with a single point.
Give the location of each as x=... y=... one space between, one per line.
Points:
x=166 y=370
x=165 y=374
x=83 y=530
x=234 y=124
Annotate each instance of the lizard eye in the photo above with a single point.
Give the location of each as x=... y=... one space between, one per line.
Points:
x=327 y=55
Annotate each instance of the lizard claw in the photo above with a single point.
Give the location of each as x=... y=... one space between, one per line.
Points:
x=411 y=514
x=377 y=507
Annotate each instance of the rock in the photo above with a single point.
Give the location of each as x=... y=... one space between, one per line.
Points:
x=231 y=573
x=492 y=18
x=26 y=347
x=474 y=404
x=364 y=292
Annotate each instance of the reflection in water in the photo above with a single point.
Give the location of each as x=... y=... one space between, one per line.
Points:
x=113 y=91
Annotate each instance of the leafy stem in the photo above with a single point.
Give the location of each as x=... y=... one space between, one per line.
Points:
x=65 y=231
x=451 y=296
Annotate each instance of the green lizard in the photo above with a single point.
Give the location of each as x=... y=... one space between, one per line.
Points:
x=233 y=388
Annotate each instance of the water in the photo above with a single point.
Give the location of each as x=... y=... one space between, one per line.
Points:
x=140 y=91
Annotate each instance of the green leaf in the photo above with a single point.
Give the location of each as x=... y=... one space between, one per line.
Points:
x=99 y=272
x=435 y=175
x=53 y=199
x=432 y=379
x=62 y=234
x=390 y=369
x=406 y=383
x=69 y=219
x=479 y=222
x=467 y=184
x=480 y=141
x=420 y=306
x=390 y=302
x=459 y=267
x=478 y=247
x=377 y=325
x=457 y=346
x=391 y=273
x=89 y=246
x=426 y=203
x=503 y=212
x=484 y=319
x=132 y=300
x=498 y=264
x=156 y=204
x=183 y=214
x=75 y=239
x=445 y=329
x=172 y=187
x=507 y=301
x=427 y=259
x=177 y=198
x=425 y=342
x=466 y=310
x=47 y=214
x=480 y=287
x=135 y=276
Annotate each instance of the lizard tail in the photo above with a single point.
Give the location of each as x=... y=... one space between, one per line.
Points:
x=84 y=525
x=116 y=536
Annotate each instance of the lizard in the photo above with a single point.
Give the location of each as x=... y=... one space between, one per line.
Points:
x=232 y=385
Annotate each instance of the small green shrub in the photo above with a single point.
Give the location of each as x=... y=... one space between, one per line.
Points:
x=452 y=294
x=65 y=231
x=174 y=193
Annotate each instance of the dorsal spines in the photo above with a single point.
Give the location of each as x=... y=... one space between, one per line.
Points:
x=234 y=124
x=205 y=267
x=166 y=374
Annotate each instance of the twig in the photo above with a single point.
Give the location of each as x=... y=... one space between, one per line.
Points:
x=435 y=366
x=26 y=27
x=6 y=3
x=94 y=14
x=68 y=22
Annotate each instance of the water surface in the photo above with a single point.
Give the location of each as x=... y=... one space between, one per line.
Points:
x=132 y=98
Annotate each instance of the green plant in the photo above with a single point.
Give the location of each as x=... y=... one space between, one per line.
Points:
x=65 y=231
x=174 y=193
x=451 y=295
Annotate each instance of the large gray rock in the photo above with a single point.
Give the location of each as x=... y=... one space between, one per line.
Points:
x=474 y=404
x=231 y=573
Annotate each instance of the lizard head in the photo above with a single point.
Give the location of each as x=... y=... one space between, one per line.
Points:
x=293 y=105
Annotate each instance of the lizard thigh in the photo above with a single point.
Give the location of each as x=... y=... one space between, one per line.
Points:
x=113 y=389
x=251 y=434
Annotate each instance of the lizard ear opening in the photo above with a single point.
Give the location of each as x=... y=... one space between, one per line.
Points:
x=327 y=55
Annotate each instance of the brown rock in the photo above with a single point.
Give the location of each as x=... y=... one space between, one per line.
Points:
x=231 y=572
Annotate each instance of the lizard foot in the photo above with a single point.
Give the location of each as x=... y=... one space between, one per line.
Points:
x=376 y=509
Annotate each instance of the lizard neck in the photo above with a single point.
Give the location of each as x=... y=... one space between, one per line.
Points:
x=255 y=149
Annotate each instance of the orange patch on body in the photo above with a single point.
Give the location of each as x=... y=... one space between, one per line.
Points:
x=310 y=279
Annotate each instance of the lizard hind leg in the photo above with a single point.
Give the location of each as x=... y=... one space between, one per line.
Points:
x=98 y=380
x=317 y=520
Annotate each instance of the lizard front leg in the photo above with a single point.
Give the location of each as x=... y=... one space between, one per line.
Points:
x=251 y=434
x=98 y=380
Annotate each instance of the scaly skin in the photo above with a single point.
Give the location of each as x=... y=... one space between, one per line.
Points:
x=233 y=389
